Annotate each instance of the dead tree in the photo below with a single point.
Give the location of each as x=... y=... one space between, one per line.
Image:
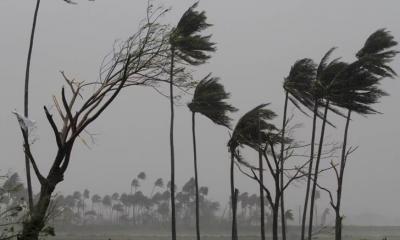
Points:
x=139 y=61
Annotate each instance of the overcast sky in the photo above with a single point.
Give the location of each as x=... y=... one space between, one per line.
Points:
x=257 y=43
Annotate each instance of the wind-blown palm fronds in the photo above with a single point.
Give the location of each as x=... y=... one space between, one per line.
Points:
x=209 y=100
x=186 y=40
x=188 y=46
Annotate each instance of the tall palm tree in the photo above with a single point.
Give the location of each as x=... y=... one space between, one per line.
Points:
x=189 y=46
x=251 y=131
x=357 y=89
x=209 y=99
x=26 y=101
x=297 y=85
x=134 y=184
x=328 y=73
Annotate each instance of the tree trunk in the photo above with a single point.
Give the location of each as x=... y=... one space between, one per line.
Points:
x=36 y=223
x=233 y=197
x=33 y=226
x=275 y=214
x=283 y=218
x=321 y=142
x=26 y=103
x=261 y=173
x=196 y=176
x=338 y=225
x=310 y=167
x=171 y=138
x=338 y=221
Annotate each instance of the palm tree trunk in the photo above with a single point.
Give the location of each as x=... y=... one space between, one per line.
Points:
x=196 y=176
x=338 y=218
x=283 y=219
x=310 y=167
x=261 y=173
x=321 y=142
x=233 y=197
x=171 y=138
x=26 y=103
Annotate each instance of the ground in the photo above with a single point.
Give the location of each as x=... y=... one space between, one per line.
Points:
x=350 y=233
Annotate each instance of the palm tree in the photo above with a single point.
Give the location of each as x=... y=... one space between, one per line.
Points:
x=357 y=90
x=107 y=202
x=142 y=176
x=158 y=183
x=26 y=101
x=323 y=87
x=134 y=184
x=209 y=99
x=297 y=86
x=86 y=195
x=190 y=47
x=96 y=199
x=251 y=131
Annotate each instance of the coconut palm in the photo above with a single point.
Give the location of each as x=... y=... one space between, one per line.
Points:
x=297 y=85
x=209 y=99
x=26 y=100
x=158 y=183
x=134 y=184
x=251 y=131
x=141 y=176
x=327 y=76
x=357 y=89
x=189 y=46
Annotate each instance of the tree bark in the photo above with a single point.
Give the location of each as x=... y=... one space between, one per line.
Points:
x=233 y=197
x=283 y=218
x=171 y=138
x=196 y=176
x=338 y=218
x=275 y=215
x=310 y=167
x=33 y=226
x=321 y=142
x=26 y=103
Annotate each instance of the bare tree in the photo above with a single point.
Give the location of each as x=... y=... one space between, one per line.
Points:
x=136 y=62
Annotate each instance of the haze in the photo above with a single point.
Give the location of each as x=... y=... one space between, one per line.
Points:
x=257 y=43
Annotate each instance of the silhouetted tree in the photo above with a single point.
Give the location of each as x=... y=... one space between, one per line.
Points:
x=189 y=47
x=134 y=64
x=297 y=86
x=209 y=99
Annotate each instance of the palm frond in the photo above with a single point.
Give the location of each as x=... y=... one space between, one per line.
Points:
x=186 y=40
x=253 y=128
x=377 y=52
x=209 y=99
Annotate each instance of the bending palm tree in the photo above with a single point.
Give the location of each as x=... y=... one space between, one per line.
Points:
x=251 y=131
x=296 y=87
x=190 y=47
x=208 y=100
x=324 y=85
x=357 y=90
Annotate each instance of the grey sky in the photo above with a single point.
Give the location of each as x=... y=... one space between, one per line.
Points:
x=257 y=41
